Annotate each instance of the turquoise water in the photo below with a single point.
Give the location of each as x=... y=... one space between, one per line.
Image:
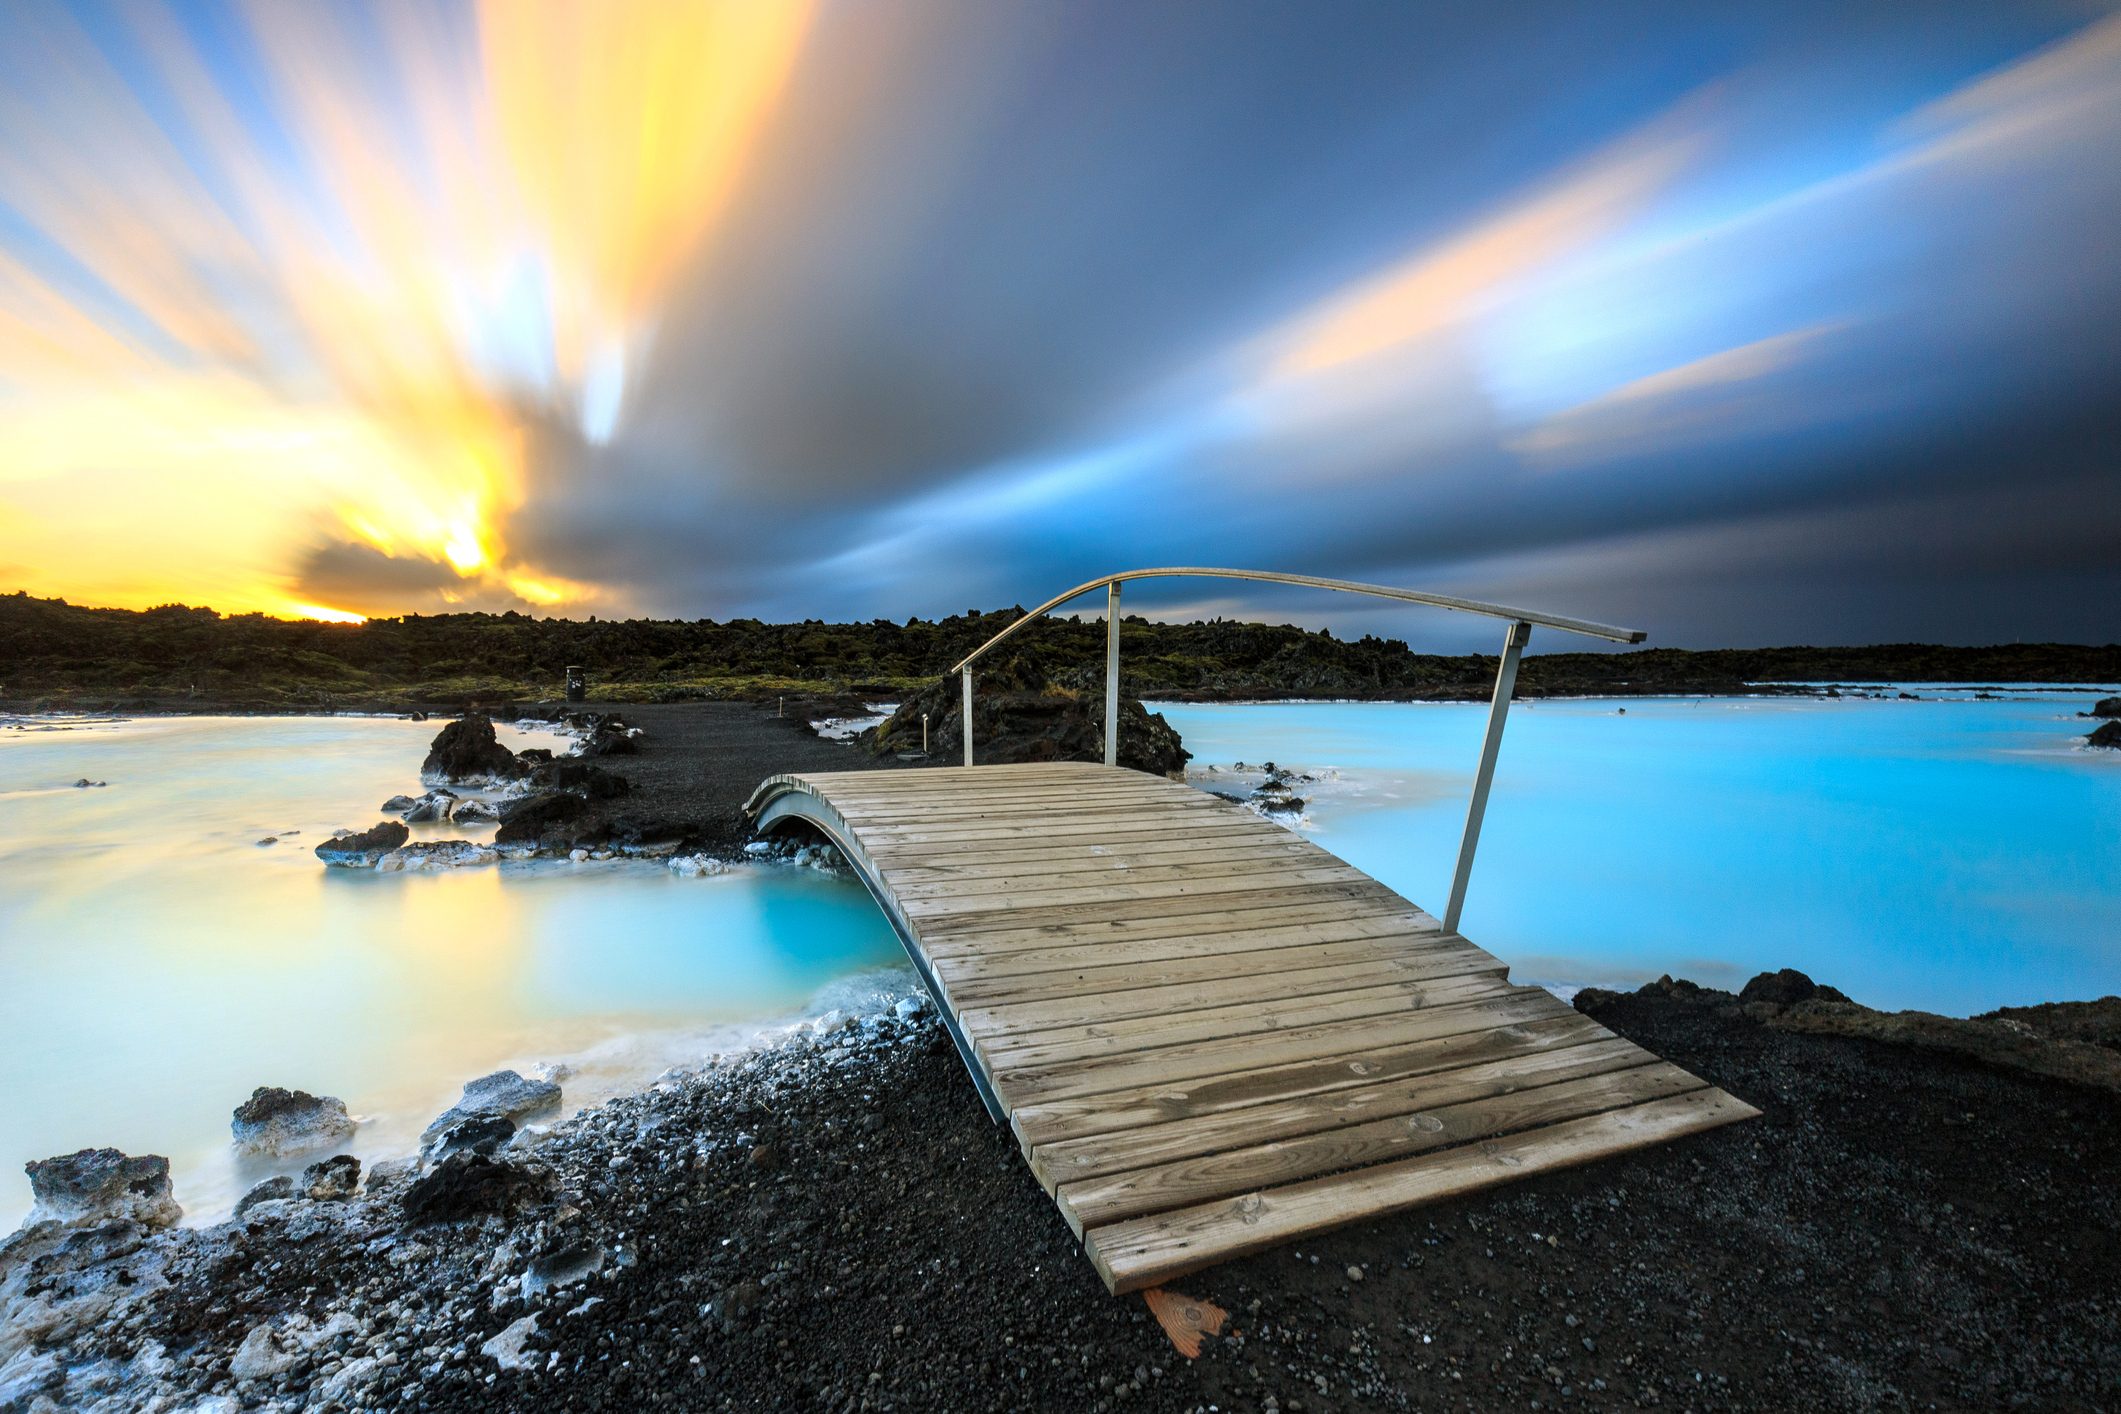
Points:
x=157 y=963
x=1947 y=855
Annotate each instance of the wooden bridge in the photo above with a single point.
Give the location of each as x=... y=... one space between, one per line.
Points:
x=1208 y=1034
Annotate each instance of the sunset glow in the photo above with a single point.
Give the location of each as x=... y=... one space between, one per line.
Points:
x=786 y=308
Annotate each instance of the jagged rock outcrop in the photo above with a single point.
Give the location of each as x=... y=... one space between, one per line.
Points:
x=101 y=1185
x=273 y=1122
x=437 y=854
x=2067 y=1041
x=473 y=1186
x=1017 y=716
x=501 y=1095
x=467 y=752
x=2108 y=734
x=2107 y=707
x=601 y=734
x=351 y=850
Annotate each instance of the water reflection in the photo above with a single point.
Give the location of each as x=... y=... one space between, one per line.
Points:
x=157 y=962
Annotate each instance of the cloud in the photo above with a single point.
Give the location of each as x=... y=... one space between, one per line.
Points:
x=791 y=309
x=1716 y=397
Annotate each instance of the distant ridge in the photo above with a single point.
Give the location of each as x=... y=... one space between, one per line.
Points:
x=50 y=649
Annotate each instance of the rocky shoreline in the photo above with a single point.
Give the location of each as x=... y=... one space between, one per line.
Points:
x=830 y=1222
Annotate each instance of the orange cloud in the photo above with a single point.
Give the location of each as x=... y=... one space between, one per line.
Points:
x=1434 y=289
x=482 y=226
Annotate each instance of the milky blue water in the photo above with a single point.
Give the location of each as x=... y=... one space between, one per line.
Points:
x=157 y=963
x=1947 y=855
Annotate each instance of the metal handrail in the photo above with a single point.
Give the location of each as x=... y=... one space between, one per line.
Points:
x=1519 y=633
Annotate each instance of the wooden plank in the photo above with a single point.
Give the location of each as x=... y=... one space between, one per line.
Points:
x=1187 y=1010
x=1174 y=1065
x=1042 y=1049
x=1111 y=826
x=1095 y=1202
x=1091 y=988
x=1361 y=889
x=1174 y=940
x=1229 y=929
x=1116 y=1151
x=907 y=879
x=1146 y=1251
x=1243 y=826
x=1188 y=868
x=1062 y=1120
x=965 y=814
x=1116 y=898
x=1031 y=802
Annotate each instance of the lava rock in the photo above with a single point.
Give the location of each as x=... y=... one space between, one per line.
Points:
x=590 y=782
x=2107 y=734
x=575 y=1262
x=437 y=854
x=467 y=751
x=275 y=1121
x=278 y=1189
x=435 y=805
x=333 y=1180
x=361 y=850
x=472 y=810
x=482 y=1135
x=536 y=819
x=101 y=1185
x=1786 y=988
x=473 y=1186
x=1017 y=716
x=601 y=734
x=501 y=1095
x=2107 y=707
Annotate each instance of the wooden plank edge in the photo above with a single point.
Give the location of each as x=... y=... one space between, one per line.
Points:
x=1126 y=1254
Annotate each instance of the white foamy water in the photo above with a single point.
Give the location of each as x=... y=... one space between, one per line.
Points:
x=157 y=963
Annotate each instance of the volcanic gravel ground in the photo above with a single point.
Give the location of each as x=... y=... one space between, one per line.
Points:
x=700 y=761
x=835 y=1225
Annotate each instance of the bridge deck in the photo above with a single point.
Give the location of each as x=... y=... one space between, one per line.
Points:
x=1209 y=1035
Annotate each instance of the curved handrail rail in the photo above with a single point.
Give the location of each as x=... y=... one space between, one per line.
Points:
x=1344 y=586
x=1520 y=623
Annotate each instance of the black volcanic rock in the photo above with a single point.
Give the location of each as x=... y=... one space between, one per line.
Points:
x=590 y=782
x=2107 y=707
x=467 y=751
x=361 y=850
x=1017 y=718
x=2108 y=734
x=473 y=1186
x=101 y=1185
x=1787 y=988
x=274 y=1121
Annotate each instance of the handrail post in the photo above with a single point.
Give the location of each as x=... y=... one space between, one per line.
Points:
x=1112 y=674
x=1491 y=745
x=968 y=716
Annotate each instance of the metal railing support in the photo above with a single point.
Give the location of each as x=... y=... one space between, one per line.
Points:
x=1491 y=745
x=1112 y=674
x=968 y=716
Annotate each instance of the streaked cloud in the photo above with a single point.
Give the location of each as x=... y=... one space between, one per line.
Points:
x=809 y=308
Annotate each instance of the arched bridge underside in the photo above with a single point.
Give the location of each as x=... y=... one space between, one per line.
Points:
x=1208 y=1034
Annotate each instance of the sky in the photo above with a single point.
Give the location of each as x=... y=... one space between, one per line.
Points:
x=1738 y=324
